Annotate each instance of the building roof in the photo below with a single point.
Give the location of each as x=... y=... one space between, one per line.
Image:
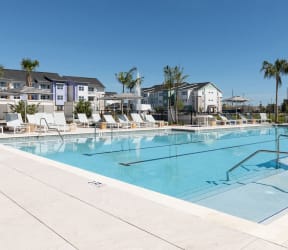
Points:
x=13 y=74
x=84 y=80
x=40 y=77
x=20 y=75
x=185 y=85
x=46 y=76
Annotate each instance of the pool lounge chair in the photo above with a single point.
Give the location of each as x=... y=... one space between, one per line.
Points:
x=263 y=118
x=111 y=123
x=139 y=121
x=96 y=118
x=224 y=120
x=83 y=120
x=15 y=122
x=60 y=121
x=124 y=121
x=246 y=120
x=150 y=118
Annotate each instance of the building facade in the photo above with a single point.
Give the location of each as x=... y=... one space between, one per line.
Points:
x=198 y=97
x=57 y=89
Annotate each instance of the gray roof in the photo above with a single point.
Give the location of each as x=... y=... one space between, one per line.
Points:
x=84 y=80
x=184 y=85
x=40 y=77
x=46 y=76
x=20 y=75
x=13 y=74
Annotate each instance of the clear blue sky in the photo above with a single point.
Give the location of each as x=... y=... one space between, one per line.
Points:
x=222 y=41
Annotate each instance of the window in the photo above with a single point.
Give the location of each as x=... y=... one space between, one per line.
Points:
x=81 y=98
x=90 y=98
x=183 y=93
x=44 y=97
x=60 y=108
x=59 y=86
x=90 y=89
x=81 y=88
x=44 y=86
x=59 y=97
x=17 y=85
x=3 y=84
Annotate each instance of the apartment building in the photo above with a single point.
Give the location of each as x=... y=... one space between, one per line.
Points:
x=58 y=89
x=197 y=97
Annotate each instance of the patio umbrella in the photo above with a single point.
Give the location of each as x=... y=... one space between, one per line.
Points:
x=122 y=96
x=236 y=99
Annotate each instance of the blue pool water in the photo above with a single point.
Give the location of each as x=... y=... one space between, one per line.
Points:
x=187 y=165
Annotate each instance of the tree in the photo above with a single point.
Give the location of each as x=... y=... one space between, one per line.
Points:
x=276 y=70
x=169 y=83
x=1 y=70
x=126 y=78
x=179 y=79
x=29 y=65
x=24 y=109
x=83 y=107
x=132 y=83
x=173 y=78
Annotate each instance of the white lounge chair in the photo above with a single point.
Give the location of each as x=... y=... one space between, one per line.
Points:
x=263 y=118
x=124 y=121
x=247 y=120
x=150 y=118
x=84 y=120
x=111 y=121
x=60 y=121
x=96 y=118
x=139 y=121
x=226 y=121
x=14 y=122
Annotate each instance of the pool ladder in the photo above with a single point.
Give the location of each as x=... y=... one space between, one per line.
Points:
x=257 y=152
x=55 y=129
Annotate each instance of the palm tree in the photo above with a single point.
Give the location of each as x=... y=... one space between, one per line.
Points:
x=125 y=78
x=276 y=70
x=29 y=65
x=169 y=83
x=1 y=70
x=132 y=83
x=173 y=78
x=179 y=79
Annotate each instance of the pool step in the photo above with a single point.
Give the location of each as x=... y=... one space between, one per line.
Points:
x=214 y=187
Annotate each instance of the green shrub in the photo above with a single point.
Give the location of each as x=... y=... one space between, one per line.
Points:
x=83 y=107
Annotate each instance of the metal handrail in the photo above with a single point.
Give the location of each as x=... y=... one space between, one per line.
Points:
x=278 y=147
x=250 y=156
x=259 y=151
x=43 y=119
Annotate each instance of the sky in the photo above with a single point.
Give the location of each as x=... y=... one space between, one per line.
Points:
x=223 y=41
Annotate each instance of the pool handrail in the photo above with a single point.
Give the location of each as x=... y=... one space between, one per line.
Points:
x=259 y=151
x=250 y=156
x=49 y=128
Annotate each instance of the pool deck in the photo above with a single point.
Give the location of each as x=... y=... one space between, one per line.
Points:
x=48 y=205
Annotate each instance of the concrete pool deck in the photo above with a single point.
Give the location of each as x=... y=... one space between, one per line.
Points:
x=48 y=205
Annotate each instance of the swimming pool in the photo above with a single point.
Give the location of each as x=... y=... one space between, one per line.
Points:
x=187 y=165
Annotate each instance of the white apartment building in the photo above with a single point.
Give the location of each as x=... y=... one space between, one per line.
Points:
x=197 y=97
